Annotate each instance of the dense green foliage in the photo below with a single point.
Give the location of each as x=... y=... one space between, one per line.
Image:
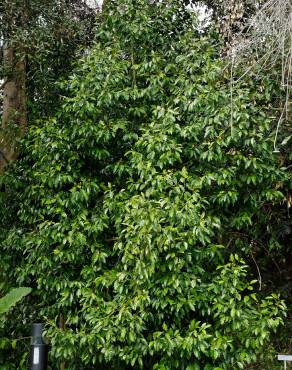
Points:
x=49 y=35
x=137 y=204
x=7 y=303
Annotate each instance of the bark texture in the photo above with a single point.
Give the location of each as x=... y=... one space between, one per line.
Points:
x=14 y=117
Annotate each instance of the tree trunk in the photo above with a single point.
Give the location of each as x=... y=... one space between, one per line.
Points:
x=14 y=118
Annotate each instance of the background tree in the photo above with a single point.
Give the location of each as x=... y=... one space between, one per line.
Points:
x=40 y=40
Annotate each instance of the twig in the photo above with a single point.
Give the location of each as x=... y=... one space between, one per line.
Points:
x=259 y=272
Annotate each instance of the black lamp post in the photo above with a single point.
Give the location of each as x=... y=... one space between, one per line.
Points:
x=39 y=349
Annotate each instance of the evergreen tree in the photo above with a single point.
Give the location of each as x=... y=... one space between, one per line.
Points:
x=40 y=40
x=136 y=204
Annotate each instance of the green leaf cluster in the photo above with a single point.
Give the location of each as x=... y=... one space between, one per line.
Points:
x=137 y=202
x=12 y=297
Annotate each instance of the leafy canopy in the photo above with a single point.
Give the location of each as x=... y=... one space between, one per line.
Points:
x=135 y=203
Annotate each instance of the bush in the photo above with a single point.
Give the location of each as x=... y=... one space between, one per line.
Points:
x=136 y=202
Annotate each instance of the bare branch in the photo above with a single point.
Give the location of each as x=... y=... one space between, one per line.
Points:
x=265 y=42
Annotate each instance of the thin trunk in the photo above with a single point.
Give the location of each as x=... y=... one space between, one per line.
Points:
x=14 y=117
